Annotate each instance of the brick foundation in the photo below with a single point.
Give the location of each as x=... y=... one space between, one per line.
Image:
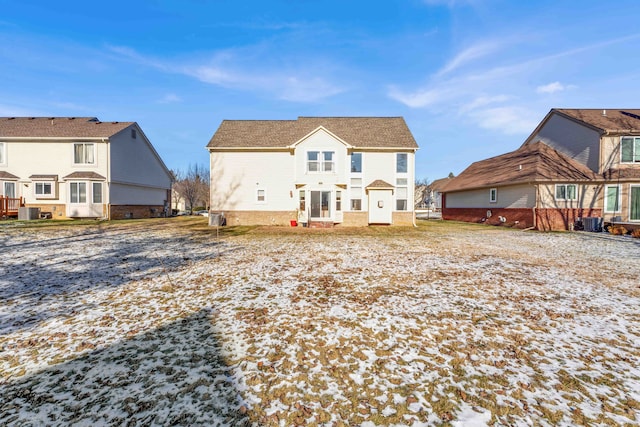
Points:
x=403 y=218
x=259 y=217
x=136 y=211
x=523 y=217
x=546 y=219
x=56 y=211
x=562 y=219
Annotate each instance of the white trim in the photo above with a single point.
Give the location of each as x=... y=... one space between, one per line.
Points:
x=619 y=203
x=51 y=196
x=321 y=152
x=3 y=153
x=316 y=130
x=633 y=150
x=84 y=144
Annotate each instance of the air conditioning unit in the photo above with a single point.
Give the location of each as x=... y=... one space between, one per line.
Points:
x=593 y=224
x=25 y=214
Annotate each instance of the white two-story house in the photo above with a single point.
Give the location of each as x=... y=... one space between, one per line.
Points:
x=317 y=171
x=80 y=167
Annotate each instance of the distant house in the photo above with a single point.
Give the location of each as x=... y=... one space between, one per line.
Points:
x=577 y=163
x=80 y=167
x=319 y=171
x=436 y=188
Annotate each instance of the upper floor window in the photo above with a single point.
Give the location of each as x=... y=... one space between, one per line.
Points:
x=3 y=156
x=566 y=192
x=401 y=162
x=84 y=154
x=356 y=162
x=630 y=149
x=320 y=161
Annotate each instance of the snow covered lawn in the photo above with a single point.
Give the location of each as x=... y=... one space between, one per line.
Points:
x=163 y=323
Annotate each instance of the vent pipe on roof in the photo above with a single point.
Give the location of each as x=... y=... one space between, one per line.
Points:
x=604 y=113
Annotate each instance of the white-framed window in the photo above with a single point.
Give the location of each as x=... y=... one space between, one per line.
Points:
x=401 y=163
x=3 y=154
x=96 y=192
x=356 y=194
x=630 y=149
x=356 y=162
x=566 y=192
x=9 y=189
x=493 y=195
x=320 y=161
x=402 y=194
x=261 y=195
x=612 y=198
x=77 y=192
x=338 y=200
x=44 y=189
x=84 y=153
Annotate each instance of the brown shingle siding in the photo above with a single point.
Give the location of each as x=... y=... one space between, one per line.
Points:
x=535 y=162
x=59 y=127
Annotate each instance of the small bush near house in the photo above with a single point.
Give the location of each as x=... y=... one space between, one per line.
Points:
x=617 y=230
x=636 y=233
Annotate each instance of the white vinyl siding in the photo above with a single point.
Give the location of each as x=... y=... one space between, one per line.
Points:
x=3 y=154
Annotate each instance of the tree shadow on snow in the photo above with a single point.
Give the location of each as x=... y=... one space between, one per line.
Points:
x=173 y=375
x=38 y=282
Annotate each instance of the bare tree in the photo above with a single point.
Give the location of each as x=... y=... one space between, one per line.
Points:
x=422 y=193
x=193 y=186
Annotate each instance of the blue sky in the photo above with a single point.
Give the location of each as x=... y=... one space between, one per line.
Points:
x=472 y=78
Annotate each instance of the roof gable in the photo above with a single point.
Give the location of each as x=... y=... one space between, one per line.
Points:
x=59 y=127
x=536 y=162
x=317 y=130
x=357 y=132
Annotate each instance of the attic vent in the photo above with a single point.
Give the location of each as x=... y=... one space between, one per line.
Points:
x=93 y=119
x=604 y=113
x=133 y=134
x=635 y=116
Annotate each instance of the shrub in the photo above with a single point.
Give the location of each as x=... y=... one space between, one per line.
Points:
x=617 y=230
x=636 y=233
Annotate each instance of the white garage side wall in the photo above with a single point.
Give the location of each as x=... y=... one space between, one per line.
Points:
x=517 y=196
x=236 y=178
x=126 y=194
x=134 y=161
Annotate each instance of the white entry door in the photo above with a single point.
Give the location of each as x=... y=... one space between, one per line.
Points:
x=380 y=206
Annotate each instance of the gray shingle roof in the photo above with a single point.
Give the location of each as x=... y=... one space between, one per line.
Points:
x=59 y=127
x=359 y=132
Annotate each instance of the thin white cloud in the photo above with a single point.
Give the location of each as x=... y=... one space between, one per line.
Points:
x=508 y=120
x=170 y=98
x=232 y=70
x=554 y=87
x=470 y=54
x=7 y=110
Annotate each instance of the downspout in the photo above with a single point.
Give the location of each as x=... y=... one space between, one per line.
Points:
x=535 y=217
x=106 y=141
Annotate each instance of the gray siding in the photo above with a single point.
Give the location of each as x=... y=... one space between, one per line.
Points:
x=519 y=196
x=575 y=140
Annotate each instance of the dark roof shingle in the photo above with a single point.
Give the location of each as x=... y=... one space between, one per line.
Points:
x=610 y=120
x=359 y=132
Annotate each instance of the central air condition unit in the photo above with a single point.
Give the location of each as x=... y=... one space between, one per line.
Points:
x=593 y=224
